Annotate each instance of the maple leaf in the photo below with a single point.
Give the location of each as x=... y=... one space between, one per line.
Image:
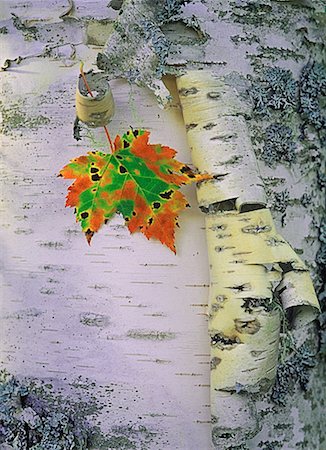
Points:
x=139 y=180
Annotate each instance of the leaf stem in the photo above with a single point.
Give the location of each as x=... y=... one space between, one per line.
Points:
x=109 y=138
x=91 y=94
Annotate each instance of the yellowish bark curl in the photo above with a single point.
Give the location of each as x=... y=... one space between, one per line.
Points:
x=250 y=263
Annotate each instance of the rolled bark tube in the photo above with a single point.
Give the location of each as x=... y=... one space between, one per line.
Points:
x=298 y=297
x=96 y=111
x=249 y=260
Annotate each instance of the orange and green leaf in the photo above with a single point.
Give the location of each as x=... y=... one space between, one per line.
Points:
x=139 y=180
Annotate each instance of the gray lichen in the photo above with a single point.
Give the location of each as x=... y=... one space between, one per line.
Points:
x=238 y=447
x=321 y=256
x=265 y=445
x=321 y=262
x=306 y=200
x=279 y=146
x=131 y=438
x=31 y=417
x=322 y=331
x=321 y=178
x=312 y=86
x=29 y=33
x=294 y=371
x=36 y=415
x=121 y=442
x=280 y=201
x=138 y=49
x=273 y=54
x=275 y=89
x=252 y=13
x=168 y=9
x=14 y=117
x=281 y=15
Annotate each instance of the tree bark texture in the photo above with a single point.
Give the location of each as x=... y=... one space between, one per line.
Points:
x=124 y=321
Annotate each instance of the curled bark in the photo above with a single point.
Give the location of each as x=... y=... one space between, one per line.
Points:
x=249 y=261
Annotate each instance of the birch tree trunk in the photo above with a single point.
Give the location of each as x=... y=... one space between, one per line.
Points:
x=125 y=322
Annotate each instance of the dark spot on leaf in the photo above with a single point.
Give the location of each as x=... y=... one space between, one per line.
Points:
x=185 y=169
x=170 y=171
x=118 y=157
x=94 y=169
x=125 y=144
x=187 y=205
x=167 y=194
x=122 y=169
x=96 y=177
x=106 y=221
x=134 y=213
x=156 y=205
x=127 y=219
x=150 y=221
x=75 y=210
x=92 y=164
x=136 y=132
x=84 y=215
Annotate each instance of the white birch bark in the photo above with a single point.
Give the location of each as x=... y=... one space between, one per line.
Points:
x=126 y=314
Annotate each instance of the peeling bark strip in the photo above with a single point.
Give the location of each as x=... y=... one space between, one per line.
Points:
x=249 y=266
x=247 y=256
x=222 y=131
